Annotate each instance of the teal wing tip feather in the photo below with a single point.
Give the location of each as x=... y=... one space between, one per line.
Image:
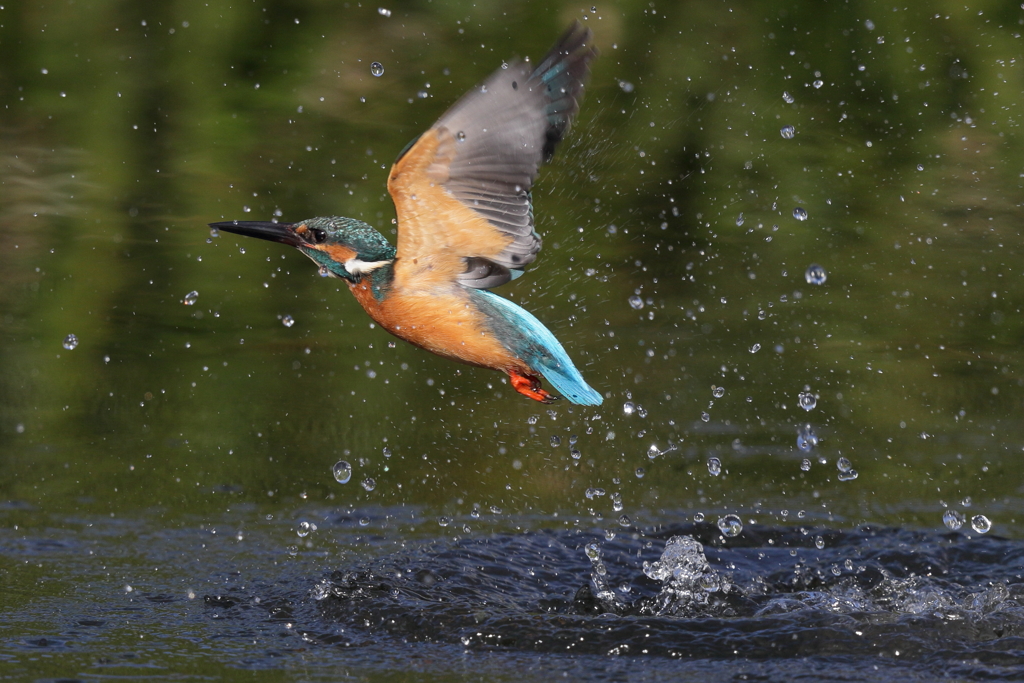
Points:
x=570 y=384
x=563 y=375
x=529 y=339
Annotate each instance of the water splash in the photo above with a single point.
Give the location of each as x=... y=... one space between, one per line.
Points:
x=806 y=439
x=953 y=519
x=815 y=274
x=731 y=526
x=807 y=400
x=687 y=578
x=981 y=524
x=342 y=471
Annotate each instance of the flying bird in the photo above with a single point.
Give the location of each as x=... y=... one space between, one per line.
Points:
x=465 y=225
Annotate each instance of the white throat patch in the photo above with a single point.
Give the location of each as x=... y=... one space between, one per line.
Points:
x=357 y=267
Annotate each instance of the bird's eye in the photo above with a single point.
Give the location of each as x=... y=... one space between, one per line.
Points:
x=319 y=236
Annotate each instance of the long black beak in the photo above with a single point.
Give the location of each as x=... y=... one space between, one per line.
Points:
x=264 y=230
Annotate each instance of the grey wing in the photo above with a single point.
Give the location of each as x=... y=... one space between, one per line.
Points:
x=504 y=130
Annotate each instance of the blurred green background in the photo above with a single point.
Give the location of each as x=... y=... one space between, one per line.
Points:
x=128 y=126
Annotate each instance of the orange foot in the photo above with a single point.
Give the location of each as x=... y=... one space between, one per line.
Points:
x=530 y=386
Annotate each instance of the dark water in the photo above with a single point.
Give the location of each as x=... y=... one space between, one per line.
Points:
x=816 y=331
x=871 y=603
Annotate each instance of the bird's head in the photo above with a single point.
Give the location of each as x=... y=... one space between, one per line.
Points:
x=342 y=247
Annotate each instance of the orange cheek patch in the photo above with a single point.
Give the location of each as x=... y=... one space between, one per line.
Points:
x=338 y=253
x=301 y=229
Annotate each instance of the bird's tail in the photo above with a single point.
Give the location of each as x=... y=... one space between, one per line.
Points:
x=527 y=337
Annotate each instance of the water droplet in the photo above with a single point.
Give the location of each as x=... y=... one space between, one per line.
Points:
x=574 y=453
x=755 y=348
x=369 y=484
x=807 y=400
x=714 y=466
x=640 y=411
x=377 y=69
x=818 y=83
x=787 y=132
x=460 y=136
x=705 y=417
x=966 y=502
x=628 y=408
x=698 y=516
x=844 y=465
x=800 y=213
x=624 y=520
x=190 y=298
x=815 y=275
x=532 y=420
x=717 y=392
x=304 y=529
x=626 y=86
x=556 y=441
x=342 y=472
x=636 y=302
x=787 y=97
x=640 y=472
x=323 y=272
x=653 y=452
x=805 y=465
x=593 y=493
x=364 y=521
x=617 y=501
x=386 y=451
x=953 y=519
x=444 y=520
x=730 y=525
x=384 y=13
x=981 y=524
x=819 y=542
x=246 y=209
x=849 y=475
x=287 y=321
x=739 y=220
x=806 y=439
x=70 y=342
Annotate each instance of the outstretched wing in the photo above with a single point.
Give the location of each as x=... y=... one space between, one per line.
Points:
x=462 y=190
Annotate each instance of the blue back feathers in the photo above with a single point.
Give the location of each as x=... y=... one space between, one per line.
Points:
x=527 y=337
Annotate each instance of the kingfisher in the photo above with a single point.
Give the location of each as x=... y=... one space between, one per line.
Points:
x=462 y=194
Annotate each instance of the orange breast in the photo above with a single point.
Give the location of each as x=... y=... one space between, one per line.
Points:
x=446 y=323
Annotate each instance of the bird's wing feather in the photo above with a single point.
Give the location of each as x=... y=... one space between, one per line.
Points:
x=462 y=191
